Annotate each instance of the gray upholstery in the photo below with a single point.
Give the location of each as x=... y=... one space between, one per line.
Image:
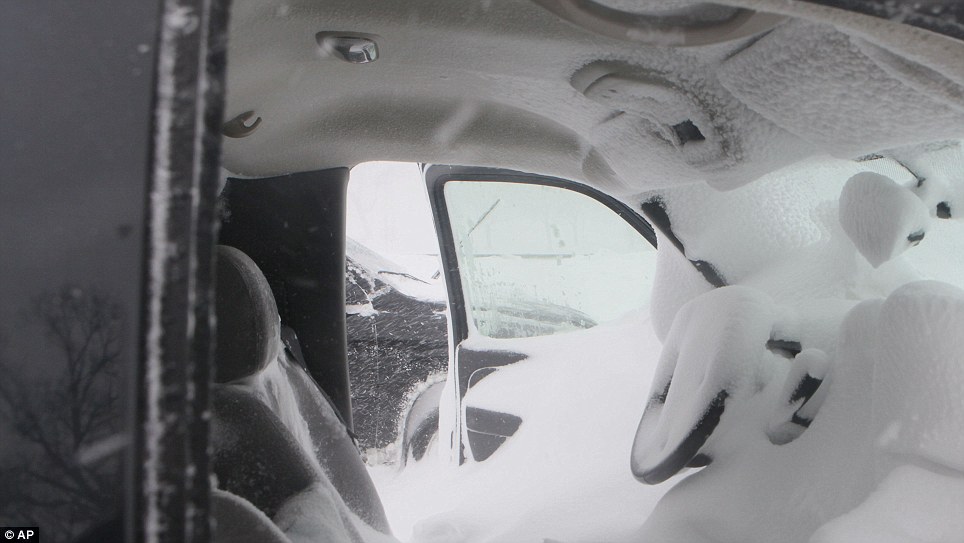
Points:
x=238 y=521
x=248 y=324
x=337 y=452
x=256 y=456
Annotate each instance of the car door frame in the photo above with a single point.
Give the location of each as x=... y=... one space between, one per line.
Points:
x=436 y=176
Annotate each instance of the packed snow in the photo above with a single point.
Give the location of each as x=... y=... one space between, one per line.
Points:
x=888 y=372
x=893 y=412
x=843 y=371
x=564 y=475
x=911 y=505
x=716 y=345
x=882 y=218
x=816 y=82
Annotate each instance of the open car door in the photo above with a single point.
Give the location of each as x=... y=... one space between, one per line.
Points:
x=532 y=264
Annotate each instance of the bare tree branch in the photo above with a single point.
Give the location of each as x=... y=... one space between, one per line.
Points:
x=62 y=409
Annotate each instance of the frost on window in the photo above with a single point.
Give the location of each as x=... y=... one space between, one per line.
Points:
x=537 y=260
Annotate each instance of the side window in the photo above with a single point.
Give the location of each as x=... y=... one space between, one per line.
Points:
x=72 y=219
x=538 y=259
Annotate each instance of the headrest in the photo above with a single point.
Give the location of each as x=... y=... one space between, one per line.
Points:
x=248 y=325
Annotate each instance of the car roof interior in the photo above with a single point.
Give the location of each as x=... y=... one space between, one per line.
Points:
x=625 y=95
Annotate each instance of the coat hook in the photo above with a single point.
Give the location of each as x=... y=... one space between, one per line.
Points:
x=235 y=128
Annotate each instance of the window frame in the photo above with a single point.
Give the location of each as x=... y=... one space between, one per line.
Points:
x=436 y=176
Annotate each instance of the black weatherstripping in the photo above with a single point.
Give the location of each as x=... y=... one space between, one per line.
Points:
x=293 y=227
x=655 y=211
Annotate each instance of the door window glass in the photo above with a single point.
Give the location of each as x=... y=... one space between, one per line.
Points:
x=537 y=260
x=71 y=238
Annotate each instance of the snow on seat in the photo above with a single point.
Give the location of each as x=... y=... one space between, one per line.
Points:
x=885 y=451
x=910 y=505
x=919 y=379
x=917 y=420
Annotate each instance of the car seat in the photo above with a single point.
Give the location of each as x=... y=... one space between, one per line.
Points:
x=275 y=435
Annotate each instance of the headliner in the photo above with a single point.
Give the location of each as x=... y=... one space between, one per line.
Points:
x=514 y=85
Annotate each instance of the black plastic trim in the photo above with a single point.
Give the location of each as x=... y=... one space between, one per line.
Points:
x=484 y=445
x=474 y=361
x=488 y=430
x=293 y=227
x=943 y=210
x=490 y=422
x=806 y=388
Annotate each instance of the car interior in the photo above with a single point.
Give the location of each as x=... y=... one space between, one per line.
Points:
x=662 y=110
x=657 y=106
x=687 y=271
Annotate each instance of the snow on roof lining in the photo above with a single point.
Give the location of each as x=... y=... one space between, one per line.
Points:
x=488 y=83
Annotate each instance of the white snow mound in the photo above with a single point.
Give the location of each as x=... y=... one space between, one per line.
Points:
x=882 y=218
